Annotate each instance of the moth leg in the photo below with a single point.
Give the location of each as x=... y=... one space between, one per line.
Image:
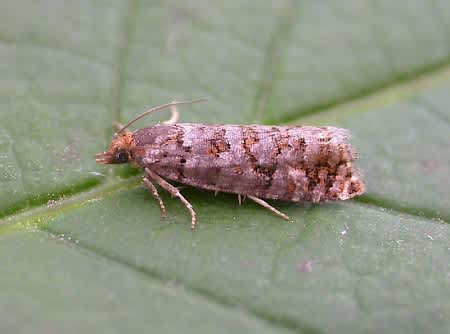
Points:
x=175 y=116
x=151 y=187
x=268 y=206
x=117 y=125
x=241 y=199
x=175 y=193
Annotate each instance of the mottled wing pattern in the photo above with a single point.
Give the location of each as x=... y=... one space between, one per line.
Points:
x=293 y=163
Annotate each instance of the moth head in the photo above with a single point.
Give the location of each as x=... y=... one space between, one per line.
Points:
x=122 y=142
x=119 y=150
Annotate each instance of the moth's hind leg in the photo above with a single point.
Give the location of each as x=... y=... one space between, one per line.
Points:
x=175 y=116
x=268 y=206
x=174 y=192
x=151 y=187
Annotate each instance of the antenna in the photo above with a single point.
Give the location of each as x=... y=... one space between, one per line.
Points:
x=158 y=108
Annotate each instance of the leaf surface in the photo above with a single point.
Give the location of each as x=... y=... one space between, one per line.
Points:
x=83 y=247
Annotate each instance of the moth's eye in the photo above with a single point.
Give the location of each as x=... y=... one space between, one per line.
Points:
x=122 y=156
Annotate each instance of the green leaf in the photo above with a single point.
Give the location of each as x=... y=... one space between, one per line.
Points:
x=83 y=247
x=72 y=290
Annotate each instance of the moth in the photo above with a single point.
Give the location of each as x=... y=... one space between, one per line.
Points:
x=287 y=163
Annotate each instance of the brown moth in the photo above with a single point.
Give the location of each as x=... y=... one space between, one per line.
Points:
x=289 y=163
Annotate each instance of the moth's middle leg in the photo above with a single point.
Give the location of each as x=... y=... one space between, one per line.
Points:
x=174 y=192
x=241 y=198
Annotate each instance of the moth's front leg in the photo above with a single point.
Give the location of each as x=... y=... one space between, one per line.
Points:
x=151 y=187
x=174 y=192
x=117 y=125
x=174 y=115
